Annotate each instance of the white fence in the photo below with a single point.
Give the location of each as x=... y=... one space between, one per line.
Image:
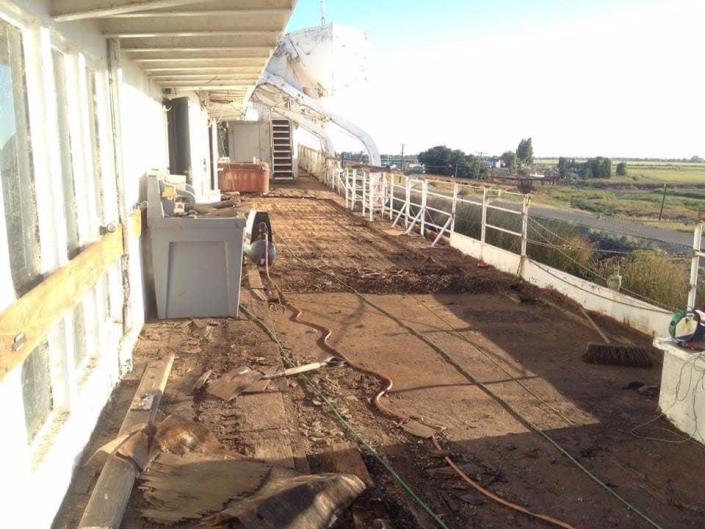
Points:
x=430 y=207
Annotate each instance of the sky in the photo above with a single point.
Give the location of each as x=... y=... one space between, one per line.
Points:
x=620 y=78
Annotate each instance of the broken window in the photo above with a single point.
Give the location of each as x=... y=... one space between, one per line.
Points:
x=16 y=171
x=36 y=390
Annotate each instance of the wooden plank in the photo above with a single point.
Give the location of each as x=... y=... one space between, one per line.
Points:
x=25 y=324
x=345 y=458
x=109 y=498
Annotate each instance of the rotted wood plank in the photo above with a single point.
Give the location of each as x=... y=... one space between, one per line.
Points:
x=26 y=324
x=108 y=502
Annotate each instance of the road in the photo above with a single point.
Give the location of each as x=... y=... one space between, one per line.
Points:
x=678 y=241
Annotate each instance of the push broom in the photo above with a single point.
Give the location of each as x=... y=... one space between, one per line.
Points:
x=612 y=353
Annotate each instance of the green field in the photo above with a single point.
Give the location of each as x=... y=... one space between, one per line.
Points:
x=650 y=172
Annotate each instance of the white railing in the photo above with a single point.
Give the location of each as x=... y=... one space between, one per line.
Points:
x=431 y=206
x=698 y=255
x=419 y=202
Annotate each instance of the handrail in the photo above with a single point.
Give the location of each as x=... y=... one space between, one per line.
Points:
x=27 y=322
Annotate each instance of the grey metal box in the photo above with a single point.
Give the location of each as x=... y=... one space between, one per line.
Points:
x=197 y=262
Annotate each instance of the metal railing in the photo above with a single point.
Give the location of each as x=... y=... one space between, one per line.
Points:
x=430 y=206
x=698 y=255
x=426 y=204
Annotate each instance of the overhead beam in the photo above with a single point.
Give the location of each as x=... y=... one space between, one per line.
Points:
x=212 y=69
x=67 y=10
x=202 y=40
x=236 y=89
x=196 y=25
x=131 y=33
x=209 y=53
x=205 y=76
x=205 y=61
x=242 y=11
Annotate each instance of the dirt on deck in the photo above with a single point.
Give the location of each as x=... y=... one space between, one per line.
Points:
x=509 y=363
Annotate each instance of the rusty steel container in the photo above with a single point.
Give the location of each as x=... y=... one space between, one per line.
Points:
x=243 y=177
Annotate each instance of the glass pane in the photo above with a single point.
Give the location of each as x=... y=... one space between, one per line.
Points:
x=67 y=174
x=16 y=169
x=36 y=390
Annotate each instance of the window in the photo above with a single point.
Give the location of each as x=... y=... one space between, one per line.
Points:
x=16 y=171
x=67 y=172
x=36 y=390
x=92 y=82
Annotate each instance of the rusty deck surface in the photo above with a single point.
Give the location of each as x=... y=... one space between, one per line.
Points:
x=526 y=353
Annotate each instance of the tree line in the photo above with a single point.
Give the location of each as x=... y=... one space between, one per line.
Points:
x=453 y=162
x=598 y=167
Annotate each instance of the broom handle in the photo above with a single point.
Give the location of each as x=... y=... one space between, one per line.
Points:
x=594 y=325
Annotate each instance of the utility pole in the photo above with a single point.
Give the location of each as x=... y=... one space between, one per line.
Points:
x=401 y=163
x=663 y=202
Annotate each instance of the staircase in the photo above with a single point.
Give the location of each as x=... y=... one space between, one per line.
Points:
x=282 y=163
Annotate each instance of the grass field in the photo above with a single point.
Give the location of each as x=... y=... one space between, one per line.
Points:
x=682 y=203
x=637 y=195
x=650 y=172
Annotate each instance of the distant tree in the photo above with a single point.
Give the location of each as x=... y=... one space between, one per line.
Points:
x=459 y=163
x=509 y=159
x=599 y=167
x=437 y=160
x=525 y=152
x=477 y=168
x=622 y=169
x=563 y=167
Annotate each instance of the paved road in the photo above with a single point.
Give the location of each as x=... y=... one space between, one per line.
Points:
x=613 y=225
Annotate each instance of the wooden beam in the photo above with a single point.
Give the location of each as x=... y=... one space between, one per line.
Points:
x=67 y=10
x=26 y=324
x=108 y=502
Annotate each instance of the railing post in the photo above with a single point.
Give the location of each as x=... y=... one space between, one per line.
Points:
x=354 y=190
x=483 y=223
x=695 y=264
x=424 y=190
x=407 y=203
x=391 y=195
x=524 y=224
x=372 y=195
x=347 y=187
x=365 y=184
x=453 y=207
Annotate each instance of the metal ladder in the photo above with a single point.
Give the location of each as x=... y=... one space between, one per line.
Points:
x=282 y=162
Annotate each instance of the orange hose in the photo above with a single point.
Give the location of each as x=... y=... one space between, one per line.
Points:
x=327 y=332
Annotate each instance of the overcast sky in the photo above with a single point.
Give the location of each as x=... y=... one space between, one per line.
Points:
x=582 y=77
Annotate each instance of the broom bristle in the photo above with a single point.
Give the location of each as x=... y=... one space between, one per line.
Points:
x=615 y=354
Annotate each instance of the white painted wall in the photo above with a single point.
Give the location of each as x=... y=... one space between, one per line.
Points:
x=682 y=393
x=35 y=476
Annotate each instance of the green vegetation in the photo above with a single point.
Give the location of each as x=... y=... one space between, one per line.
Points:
x=622 y=169
x=648 y=274
x=441 y=160
x=682 y=203
x=525 y=152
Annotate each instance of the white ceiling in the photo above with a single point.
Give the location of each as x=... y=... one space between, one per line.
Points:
x=218 y=46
